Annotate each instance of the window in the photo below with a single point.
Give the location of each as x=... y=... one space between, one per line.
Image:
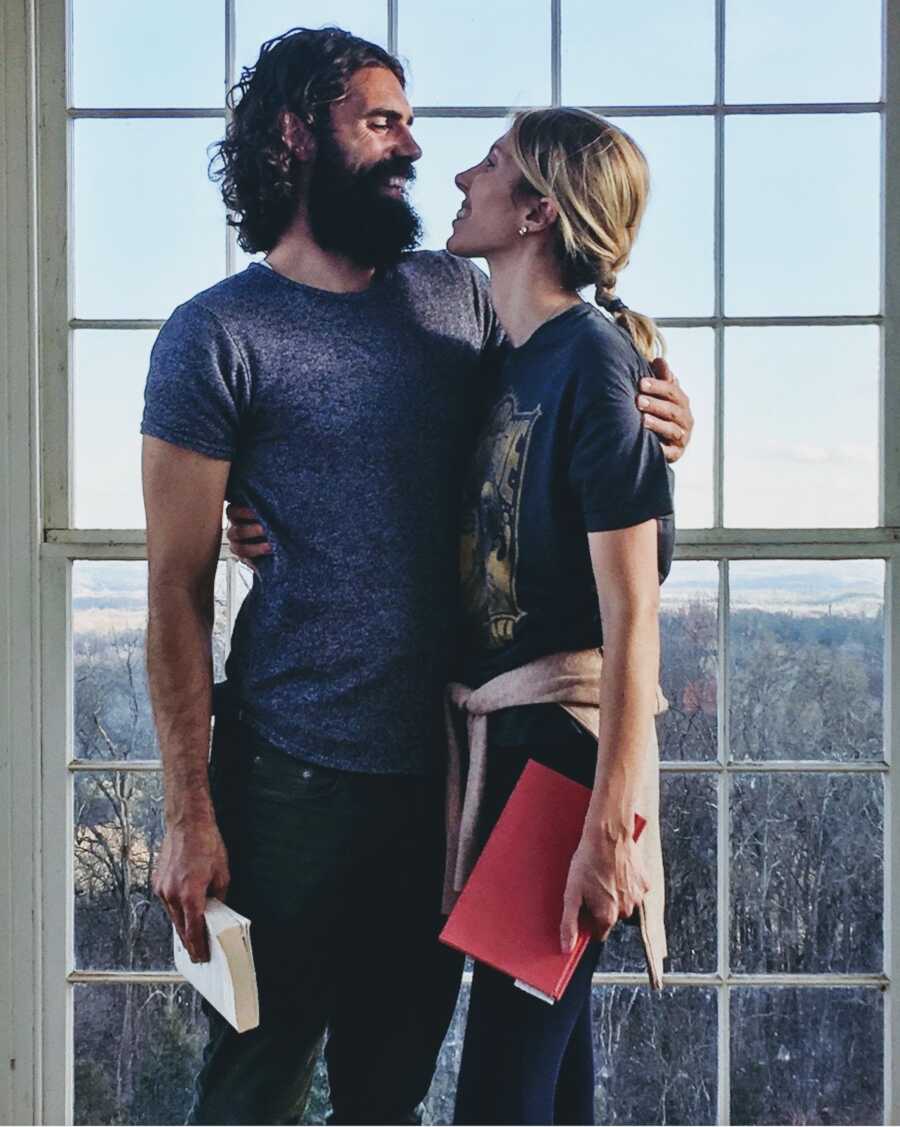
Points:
x=770 y=141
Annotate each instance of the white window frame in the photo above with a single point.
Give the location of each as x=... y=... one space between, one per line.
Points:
x=38 y=546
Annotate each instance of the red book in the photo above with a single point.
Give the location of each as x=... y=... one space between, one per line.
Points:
x=509 y=912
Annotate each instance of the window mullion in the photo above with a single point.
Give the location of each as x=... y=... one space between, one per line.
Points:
x=392 y=25
x=55 y=232
x=230 y=55
x=890 y=369
x=891 y=838
x=723 y=852
x=556 y=52
x=58 y=838
x=890 y=516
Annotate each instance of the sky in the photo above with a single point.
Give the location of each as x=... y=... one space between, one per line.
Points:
x=801 y=211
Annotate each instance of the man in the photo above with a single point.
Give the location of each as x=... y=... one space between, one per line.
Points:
x=331 y=390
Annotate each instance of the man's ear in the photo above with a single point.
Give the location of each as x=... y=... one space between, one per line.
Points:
x=296 y=136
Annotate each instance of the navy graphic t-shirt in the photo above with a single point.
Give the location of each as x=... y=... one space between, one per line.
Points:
x=563 y=452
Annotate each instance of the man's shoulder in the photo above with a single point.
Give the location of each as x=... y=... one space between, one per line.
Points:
x=230 y=296
x=442 y=268
x=451 y=293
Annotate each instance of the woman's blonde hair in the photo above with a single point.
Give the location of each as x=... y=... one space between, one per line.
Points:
x=599 y=180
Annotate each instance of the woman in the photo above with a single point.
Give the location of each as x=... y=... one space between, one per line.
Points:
x=566 y=526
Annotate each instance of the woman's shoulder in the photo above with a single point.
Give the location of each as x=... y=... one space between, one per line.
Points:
x=604 y=355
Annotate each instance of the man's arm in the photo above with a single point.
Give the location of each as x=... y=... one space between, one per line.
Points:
x=183 y=497
x=666 y=409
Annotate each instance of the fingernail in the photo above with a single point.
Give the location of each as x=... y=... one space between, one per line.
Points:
x=643 y=401
x=645 y=385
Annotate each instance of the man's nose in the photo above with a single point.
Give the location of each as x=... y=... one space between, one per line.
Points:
x=407 y=146
x=461 y=180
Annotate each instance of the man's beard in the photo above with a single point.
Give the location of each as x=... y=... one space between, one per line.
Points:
x=350 y=214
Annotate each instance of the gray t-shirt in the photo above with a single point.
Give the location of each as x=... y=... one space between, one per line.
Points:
x=347 y=419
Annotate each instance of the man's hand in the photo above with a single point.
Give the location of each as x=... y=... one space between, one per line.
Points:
x=667 y=410
x=193 y=865
x=246 y=536
x=607 y=882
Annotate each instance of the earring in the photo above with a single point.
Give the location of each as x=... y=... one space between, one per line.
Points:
x=523 y=231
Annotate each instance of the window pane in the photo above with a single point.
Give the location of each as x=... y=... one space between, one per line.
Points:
x=671 y=271
x=801 y=1055
x=109 y=619
x=803 y=51
x=255 y=23
x=660 y=55
x=802 y=215
x=688 y=807
x=655 y=1055
x=137 y=1049
x=163 y=54
x=689 y=661
x=807 y=861
x=806 y=650
x=691 y=357
x=119 y=923
x=149 y=228
x=449 y=146
x=801 y=427
x=109 y=371
x=454 y=59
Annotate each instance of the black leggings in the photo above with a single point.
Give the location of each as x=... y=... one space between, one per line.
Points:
x=523 y=1060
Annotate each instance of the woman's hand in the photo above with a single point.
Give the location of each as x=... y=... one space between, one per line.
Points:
x=607 y=880
x=246 y=537
x=666 y=409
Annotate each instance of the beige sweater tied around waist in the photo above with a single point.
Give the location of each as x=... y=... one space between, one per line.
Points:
x=571 y=680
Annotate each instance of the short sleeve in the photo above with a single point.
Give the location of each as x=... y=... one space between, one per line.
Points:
x=617 y=467
x=197 y=386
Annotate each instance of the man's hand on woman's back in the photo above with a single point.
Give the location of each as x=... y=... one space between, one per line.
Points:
x=666 y=409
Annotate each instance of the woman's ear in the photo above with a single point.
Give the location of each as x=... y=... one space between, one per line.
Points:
x=542 y=214
x=296 y=136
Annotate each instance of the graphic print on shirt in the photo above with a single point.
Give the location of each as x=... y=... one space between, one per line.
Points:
x=490 y=522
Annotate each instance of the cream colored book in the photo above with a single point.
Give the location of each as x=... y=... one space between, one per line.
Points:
x=228 y=980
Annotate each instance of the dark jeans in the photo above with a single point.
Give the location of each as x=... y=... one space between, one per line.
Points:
x=523 y=1060
x=340 y=875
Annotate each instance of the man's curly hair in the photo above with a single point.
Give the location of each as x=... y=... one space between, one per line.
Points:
x=304 y=71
